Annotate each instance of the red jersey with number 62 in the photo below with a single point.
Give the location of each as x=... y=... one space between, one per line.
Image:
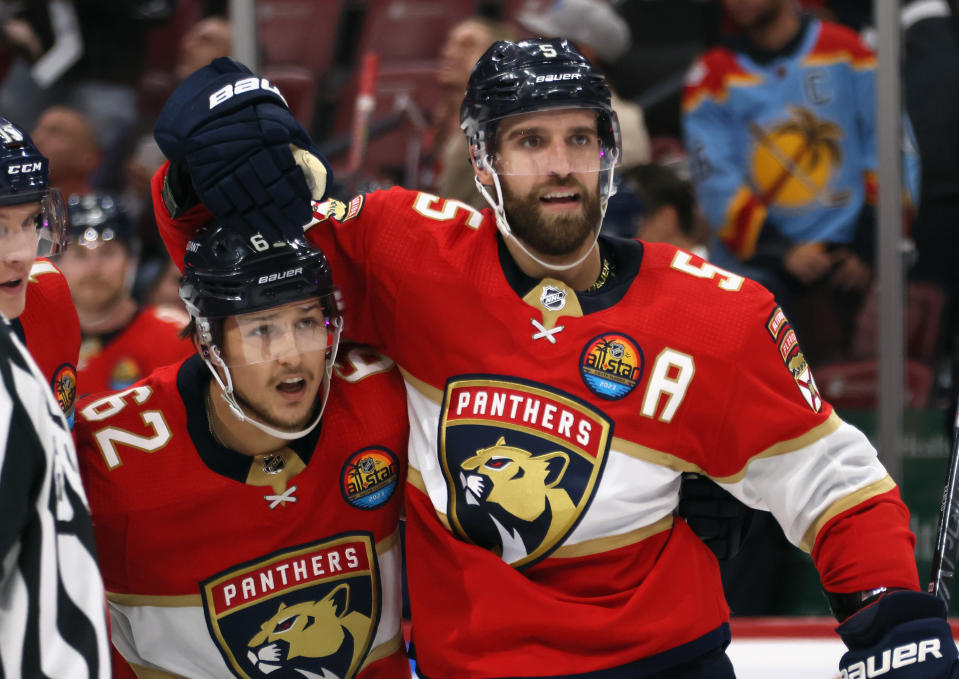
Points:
x=217 y=564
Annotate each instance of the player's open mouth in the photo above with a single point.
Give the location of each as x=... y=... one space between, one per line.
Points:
x=560 y=198
x=292 y=386
x=12 y=285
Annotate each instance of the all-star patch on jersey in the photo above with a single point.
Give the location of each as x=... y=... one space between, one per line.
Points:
x=370 y=477
x=612 y=365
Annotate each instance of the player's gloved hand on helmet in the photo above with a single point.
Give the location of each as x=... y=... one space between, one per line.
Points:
x=251 y=163
x=716 y=517
x=903 y=635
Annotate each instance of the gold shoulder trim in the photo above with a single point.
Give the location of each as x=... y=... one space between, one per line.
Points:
x=610 y=542
x=430 y=392
x=386 y=649
x=791 y=445
x=658 y=457
x=415 y=479
x=173 y=601
x=883 y=485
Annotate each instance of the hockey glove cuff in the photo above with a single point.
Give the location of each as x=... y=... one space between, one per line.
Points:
x=904 y=635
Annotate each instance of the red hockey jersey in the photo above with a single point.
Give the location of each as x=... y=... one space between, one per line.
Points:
x=117 y=360
x=216 y=566
x=550 y=428
x=51 y=330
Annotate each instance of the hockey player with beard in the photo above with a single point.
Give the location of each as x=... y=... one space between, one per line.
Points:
x=122 y=340
x=248 y=526
x=558 y=385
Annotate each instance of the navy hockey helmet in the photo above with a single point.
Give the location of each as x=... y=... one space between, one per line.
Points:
x=97 y=218
x=226 y=273
x=533 y=75
x=25 y=178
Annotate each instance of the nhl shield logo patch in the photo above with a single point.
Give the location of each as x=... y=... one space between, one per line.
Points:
x=310 y=611
x=521 y=463
x=552 y=298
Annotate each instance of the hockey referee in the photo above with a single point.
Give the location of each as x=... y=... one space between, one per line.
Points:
x=52 y=606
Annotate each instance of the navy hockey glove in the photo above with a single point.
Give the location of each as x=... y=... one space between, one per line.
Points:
x=251 y=163
x=716 y=517
x=904 y=635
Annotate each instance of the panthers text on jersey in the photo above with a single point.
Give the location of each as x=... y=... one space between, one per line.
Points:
x=150 y=340
x=550 y=428
x=217 y=564
x=51 y=330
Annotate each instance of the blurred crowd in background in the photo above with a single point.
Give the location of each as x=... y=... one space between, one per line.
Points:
x=87 y=78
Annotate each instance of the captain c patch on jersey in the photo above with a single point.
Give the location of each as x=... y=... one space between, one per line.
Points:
x=785 y=337
x=310 y=611
x=521 y=463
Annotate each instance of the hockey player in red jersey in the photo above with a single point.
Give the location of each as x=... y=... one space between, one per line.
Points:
x=33 y=294
x=559 y=383
x=241 y=534
x=122 y=341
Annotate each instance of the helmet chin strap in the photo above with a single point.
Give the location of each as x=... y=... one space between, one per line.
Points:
x=227 y=394
x=502 y=224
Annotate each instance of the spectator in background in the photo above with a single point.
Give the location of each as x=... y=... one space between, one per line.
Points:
x=603 y=37
x=88 y=55
x=464 y=45
x=931 y=64
x=203 y=42
x=122 y=341
x=780 y=127
x=669 y=210
x=66 y=137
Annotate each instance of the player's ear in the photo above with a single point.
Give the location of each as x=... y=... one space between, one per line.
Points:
x=480 y=166
x=200 y=348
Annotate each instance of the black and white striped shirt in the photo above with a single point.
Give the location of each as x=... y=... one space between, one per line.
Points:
x=52 y=606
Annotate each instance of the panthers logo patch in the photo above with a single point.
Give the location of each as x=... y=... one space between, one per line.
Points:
x=786 y=341
x=310 y=611
x=336 y=210
x=64 y=385
x=521 y=463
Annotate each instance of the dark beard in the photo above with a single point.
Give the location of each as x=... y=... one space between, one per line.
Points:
x=550 y=234
x=260 y=416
